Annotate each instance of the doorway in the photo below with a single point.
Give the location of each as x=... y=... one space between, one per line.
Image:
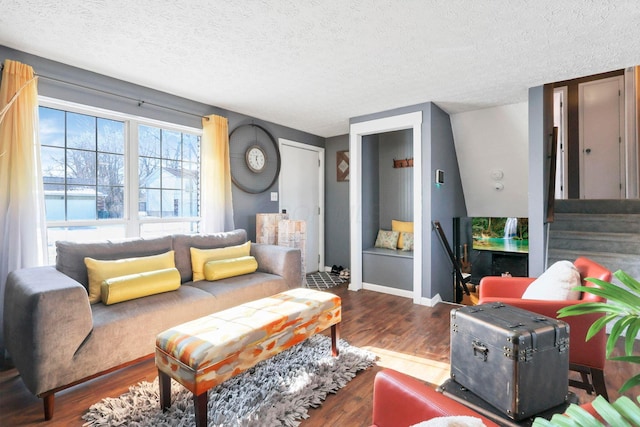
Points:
x=357 y=131
x=601 y=138
x=301 y=188
x=560 y=121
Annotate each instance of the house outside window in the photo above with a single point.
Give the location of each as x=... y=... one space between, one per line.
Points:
x=108 y=175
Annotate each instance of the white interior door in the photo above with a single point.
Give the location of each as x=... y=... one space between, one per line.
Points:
x=602 y=154
x=302 y=195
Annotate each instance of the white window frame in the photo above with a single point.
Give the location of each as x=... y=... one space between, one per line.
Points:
x=131 y=220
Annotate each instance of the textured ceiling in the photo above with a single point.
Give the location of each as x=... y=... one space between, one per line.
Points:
x=313 y=64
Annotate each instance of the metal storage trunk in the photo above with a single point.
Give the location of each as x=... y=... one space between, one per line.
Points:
x=516 y=360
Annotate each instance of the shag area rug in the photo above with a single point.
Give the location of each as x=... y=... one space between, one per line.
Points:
x=276 y=392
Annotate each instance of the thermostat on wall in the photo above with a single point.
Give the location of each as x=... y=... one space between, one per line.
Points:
x=439 y=176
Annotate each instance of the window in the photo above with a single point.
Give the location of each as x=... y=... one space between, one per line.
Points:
x=107 y=175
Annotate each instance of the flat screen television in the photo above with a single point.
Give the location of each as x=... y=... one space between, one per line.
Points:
x=500 y=234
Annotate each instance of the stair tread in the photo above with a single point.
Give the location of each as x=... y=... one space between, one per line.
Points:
x=597 y=235
x=572 y=254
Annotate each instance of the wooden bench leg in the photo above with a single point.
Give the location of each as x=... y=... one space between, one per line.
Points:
x=48 y=400
x=164 y=381
x=200 y=409
x=335 y=336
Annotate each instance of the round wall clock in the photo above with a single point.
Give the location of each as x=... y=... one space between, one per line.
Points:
x=255 y=158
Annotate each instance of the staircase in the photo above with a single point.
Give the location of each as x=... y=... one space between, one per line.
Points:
x=606 y=231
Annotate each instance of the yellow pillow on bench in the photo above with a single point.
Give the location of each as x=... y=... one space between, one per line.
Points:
x=132 y=286
x=400 y=226
x=223 y=268
x=101 y=270
x=199 y=257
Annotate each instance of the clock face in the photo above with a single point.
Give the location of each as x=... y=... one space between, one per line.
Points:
x=256 y=158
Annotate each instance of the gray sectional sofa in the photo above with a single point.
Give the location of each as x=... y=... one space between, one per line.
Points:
x=57 y=339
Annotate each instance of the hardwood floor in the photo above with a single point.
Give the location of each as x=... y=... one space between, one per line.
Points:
x=409 y=338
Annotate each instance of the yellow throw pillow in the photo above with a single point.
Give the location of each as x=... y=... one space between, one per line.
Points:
x=401 y=226
x=101 y=270
x=223 y=268
x=199 y=257
x=132 y=286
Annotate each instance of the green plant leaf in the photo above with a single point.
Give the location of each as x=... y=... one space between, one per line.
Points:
x=616 y=331
x=599 y=324
x=632 y=333
x=627 y=280
x=609 y=413
x=589 y=307
x=542 y=422
x=560 y=420
x=582 y=417
x=631 y=382
x=613 y=292
x=628 y=409
x=631 y=359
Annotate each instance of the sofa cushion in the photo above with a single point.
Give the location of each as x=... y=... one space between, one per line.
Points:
x=555 y=284
x=224 y=268
x=199 y=257
x=407 y=241
x=70 y=255
x=182 y=244
x=101 y=270
x=387 y=239
x=400 y=226
x=132 y=286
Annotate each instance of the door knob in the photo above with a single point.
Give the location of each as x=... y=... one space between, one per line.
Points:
x=588 y=150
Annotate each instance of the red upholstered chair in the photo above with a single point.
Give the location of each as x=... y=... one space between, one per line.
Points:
x=585 y=357
x=401 y=401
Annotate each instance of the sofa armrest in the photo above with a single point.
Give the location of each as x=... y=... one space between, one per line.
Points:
x=503 y=287
x=280 y=260
x=400 y=400
x=47 y=316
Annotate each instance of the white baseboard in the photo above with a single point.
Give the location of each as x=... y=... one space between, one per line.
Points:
x=429 y=302
x=387 y=290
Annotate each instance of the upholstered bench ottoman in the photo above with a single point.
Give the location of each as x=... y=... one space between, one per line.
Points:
x=205 y=352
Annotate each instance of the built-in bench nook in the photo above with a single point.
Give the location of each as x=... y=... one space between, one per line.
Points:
x=388 y=267
x=387 y=200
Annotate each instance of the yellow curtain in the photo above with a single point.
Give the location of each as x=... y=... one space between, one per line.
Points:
x=215 y=191
x=22 y=221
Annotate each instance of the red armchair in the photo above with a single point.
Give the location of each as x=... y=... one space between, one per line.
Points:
x=585 y=357
x=401 y=401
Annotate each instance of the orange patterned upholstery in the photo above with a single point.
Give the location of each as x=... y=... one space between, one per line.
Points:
x=205 y=352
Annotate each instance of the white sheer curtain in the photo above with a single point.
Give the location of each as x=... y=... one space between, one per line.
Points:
x=215 y=190
x=22 y=220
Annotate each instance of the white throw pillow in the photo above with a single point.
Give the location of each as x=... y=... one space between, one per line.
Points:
x=455 y=421
x=556 y=283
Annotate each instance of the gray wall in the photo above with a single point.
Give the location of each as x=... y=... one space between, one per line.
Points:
x=370 y=190
x=336 y=202
x=540 y=126
x=447 y=201
x=245 y=205
x=396 y=184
